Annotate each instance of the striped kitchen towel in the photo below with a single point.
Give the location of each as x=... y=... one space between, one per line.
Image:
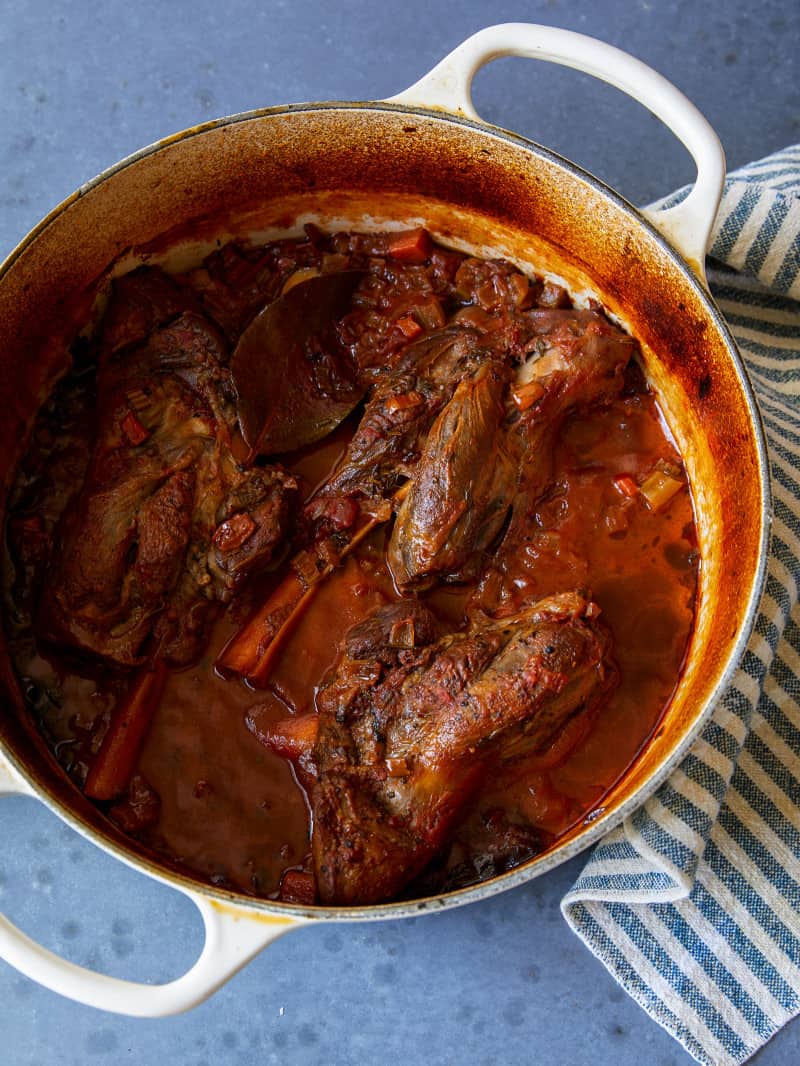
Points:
x=693 y=904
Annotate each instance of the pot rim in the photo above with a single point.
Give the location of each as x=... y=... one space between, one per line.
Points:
x=593 y=831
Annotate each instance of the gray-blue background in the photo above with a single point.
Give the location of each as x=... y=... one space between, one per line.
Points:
x=499 y=982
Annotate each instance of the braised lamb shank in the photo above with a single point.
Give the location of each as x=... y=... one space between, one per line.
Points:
x=490 y=451
x=166 y=522
x=407 y=733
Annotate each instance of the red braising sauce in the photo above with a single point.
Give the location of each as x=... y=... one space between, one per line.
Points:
x=215 y=800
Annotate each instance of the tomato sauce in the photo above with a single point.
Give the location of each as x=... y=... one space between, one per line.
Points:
x=232 y=811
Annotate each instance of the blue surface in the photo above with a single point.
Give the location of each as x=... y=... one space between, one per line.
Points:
x=499 y=982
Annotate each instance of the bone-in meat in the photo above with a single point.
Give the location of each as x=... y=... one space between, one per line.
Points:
x=399 y=754
x=576 y=360
x=139 y=552
x=462 y=487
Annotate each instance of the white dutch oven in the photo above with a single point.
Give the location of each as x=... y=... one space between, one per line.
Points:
x=423 y=156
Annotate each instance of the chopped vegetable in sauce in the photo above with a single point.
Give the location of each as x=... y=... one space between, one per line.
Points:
x=411 y=638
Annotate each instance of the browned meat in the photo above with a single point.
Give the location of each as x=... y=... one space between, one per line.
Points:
x=132 y=554
x=400 y=752
x=576 y=359
x=393 y=628
x=138 y=808
x=180 y=630
x=119 y=551
x=140 y=302
x=234 y=284
x=481 y=847
x=476 y=460
x=462 y=489
x=253 y=524
x=429 y=761
x=162 y=525
x=196 y=353
x=400 y=411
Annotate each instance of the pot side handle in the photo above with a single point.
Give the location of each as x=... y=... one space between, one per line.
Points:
x=233 y=936
x=687 y=225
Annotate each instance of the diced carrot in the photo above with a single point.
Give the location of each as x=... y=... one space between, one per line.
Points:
x=243 y=651
x=298 y=887
x=132 y=428
x=658 y=489
x=397 y=767
x=289 y=737
x=115 y=762
x=430 y=313
x=411 y=246
x=32 y=523
x=341 y=511
x=409 y=327
x=403 y=401
x=626 y=485
x=232 y=534
x=527 y=395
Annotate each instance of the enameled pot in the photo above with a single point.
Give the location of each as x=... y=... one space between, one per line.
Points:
x=424 y=157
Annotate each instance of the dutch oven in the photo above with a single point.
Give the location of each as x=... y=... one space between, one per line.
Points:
x=423 y=157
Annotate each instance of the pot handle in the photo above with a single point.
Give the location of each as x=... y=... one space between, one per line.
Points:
x=687 y=225
x=233 y=936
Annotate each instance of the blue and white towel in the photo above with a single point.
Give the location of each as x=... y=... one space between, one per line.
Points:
x=693 y=904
